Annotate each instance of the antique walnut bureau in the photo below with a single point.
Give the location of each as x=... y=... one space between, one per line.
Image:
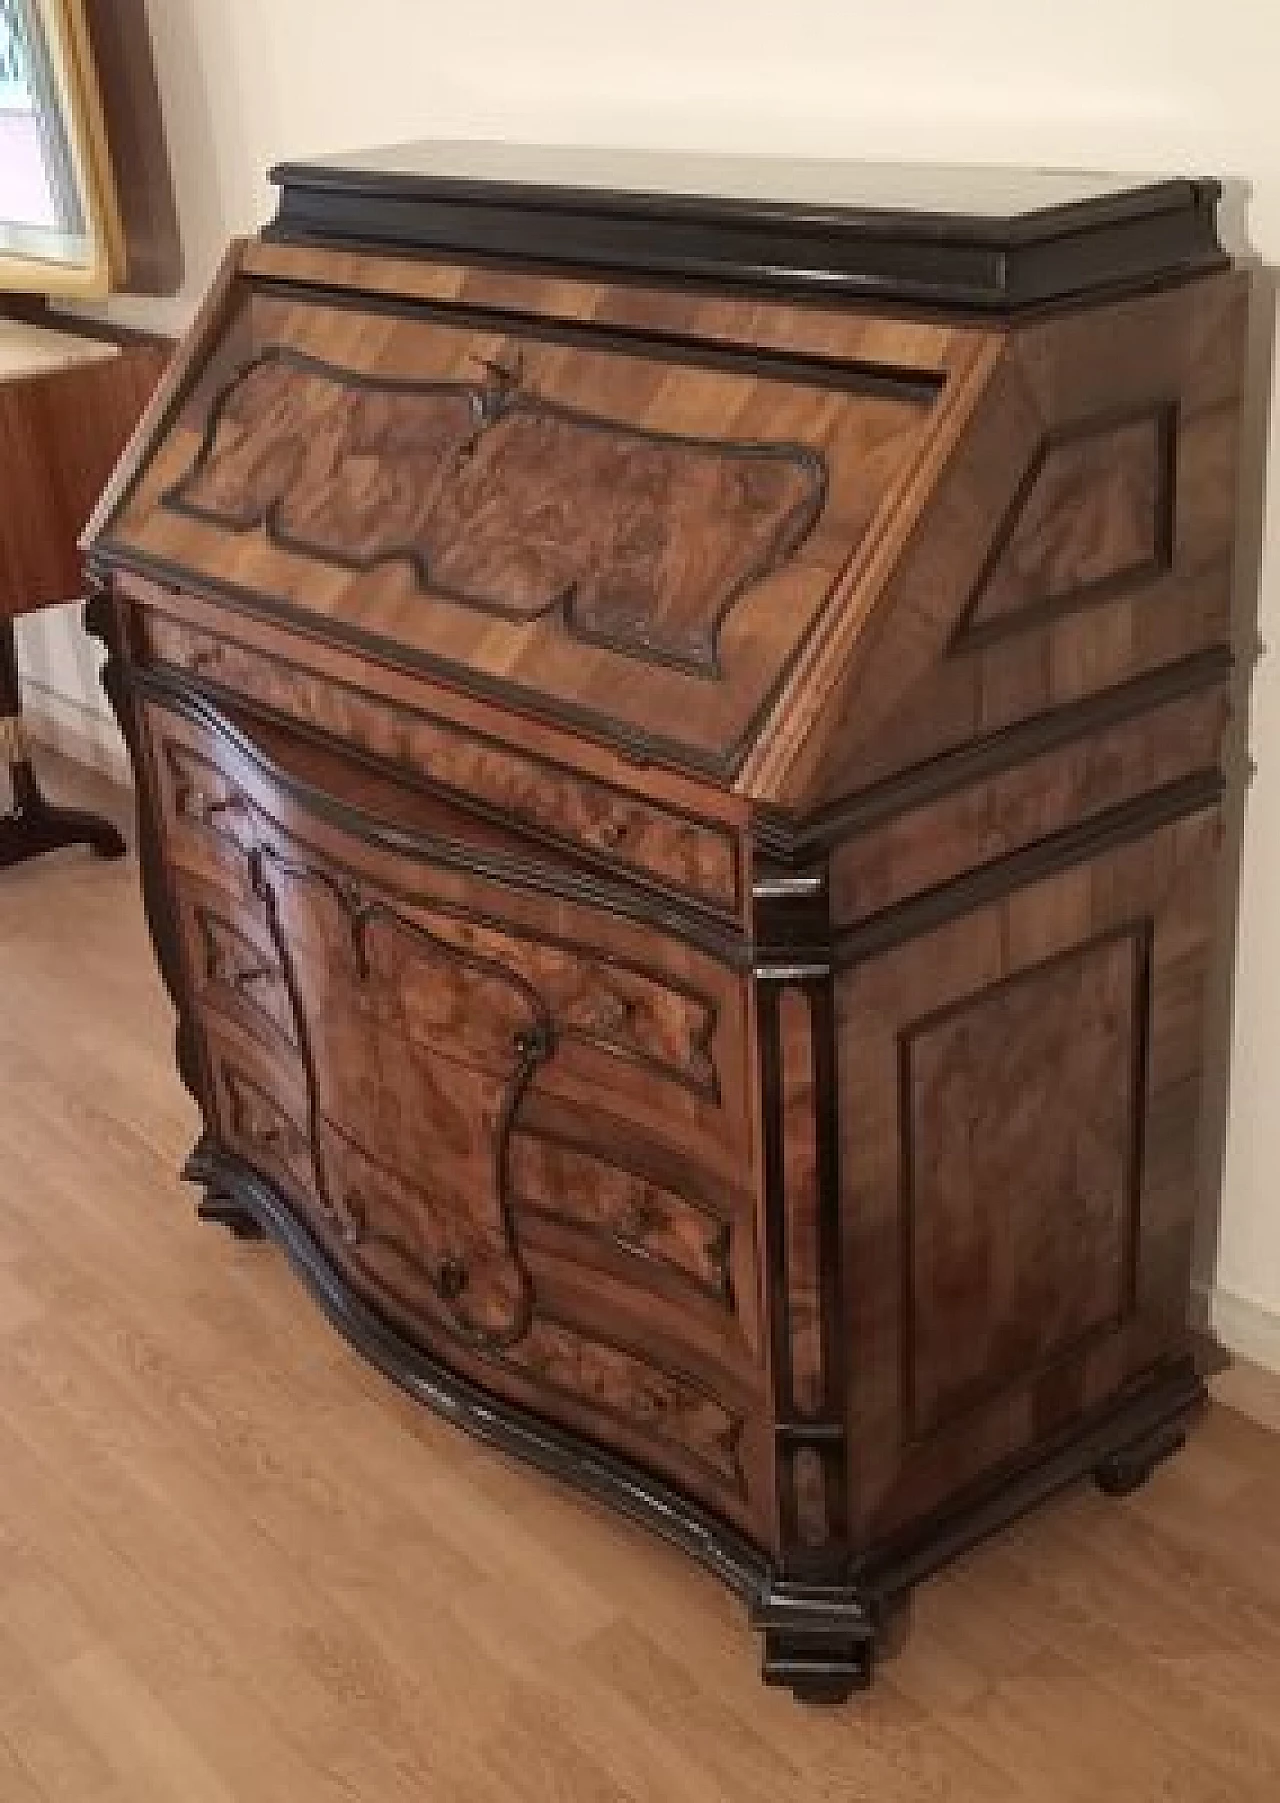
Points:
x=677 y=710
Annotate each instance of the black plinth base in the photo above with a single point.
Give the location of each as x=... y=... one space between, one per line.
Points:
x=821 y=1630
x=223 y=1212
x=1127 y=1469
x=819 y=1639
x=35 y=826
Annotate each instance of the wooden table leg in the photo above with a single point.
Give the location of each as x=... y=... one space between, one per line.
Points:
x=34 y=825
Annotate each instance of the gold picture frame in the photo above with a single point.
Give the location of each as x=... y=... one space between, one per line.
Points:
x=90 y=261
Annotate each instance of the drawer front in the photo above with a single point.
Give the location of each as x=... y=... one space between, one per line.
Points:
x=519 y=1124
x=461 y=1288
x=644 y=1026
x=591 y=818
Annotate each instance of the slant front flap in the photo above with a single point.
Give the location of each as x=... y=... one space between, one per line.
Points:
x=632 y=529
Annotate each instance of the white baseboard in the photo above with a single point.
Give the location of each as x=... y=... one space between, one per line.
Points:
x=85 y=734
x=1244 y=1327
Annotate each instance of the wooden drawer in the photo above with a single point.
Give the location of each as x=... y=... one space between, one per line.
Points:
x=381 y=910
x=456 y=1279
x=594 y=819
x=454 y=1035
x=648 y=1025
x=582 y=1189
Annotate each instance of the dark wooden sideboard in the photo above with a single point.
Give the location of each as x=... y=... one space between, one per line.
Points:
x=677 y=712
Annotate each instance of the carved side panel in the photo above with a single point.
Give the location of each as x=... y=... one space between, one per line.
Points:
x=1022 y=1139
x=505 y=502
x=1093 y=514
x=1020 y=1089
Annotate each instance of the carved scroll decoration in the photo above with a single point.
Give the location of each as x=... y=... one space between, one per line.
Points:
x=503 y=501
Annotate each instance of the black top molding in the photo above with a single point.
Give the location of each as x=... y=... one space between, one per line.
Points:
x=992 y=240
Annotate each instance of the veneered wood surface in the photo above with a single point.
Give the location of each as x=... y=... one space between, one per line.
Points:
x=559 y=745
x=849 y=335
x=1092 y=511
x=1018 y=1118
x=1022 y=1146
x=648 y=1023
x=976 y=824
x=910 y=688
x=60 y=435
x=610 y=823
x=371 y=1031
x=635 y=673
x=513 y=1081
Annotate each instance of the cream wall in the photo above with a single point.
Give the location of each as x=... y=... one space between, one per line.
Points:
x=1131 y=84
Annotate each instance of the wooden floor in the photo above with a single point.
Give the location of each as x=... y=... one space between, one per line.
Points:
x=234 y=1564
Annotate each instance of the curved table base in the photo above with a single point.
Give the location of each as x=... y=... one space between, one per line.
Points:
x=34 y=825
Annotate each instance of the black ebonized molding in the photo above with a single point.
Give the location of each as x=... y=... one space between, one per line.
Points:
x=104 y=620
x=1106 y=832
x=951 y=771
x=489 y=406
x=1104 y=246
x=180 y=699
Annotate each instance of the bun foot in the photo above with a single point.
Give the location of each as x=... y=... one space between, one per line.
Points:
x=238 y=1220
x=37 y=827
x=1127 y=1470
x=816 y=1669
x=819 y=1640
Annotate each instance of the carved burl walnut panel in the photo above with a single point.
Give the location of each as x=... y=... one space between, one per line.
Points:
x=415 y=1254
x=504 y=501
x=579 y=1187
x=1023 y=1108
x=1094 y=514
x=416 y=1055
x=397 y=1043
x=687 y=854
x=637 y=1393
x=238 y=969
